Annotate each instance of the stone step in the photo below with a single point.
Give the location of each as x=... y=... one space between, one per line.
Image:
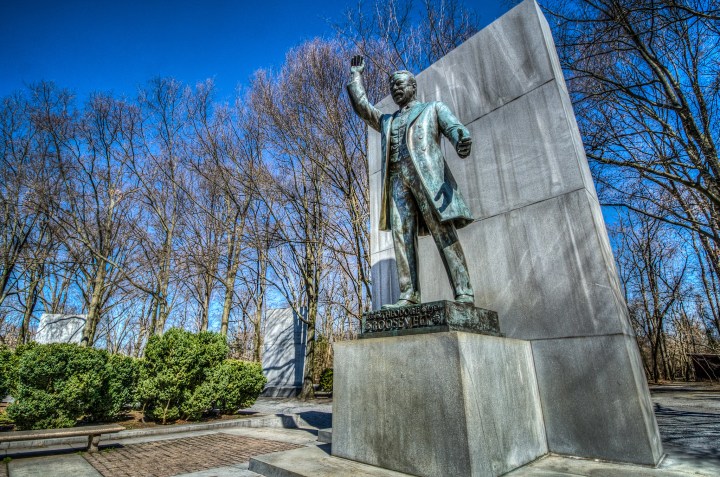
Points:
x=314 y=462
x=317 y=462
x=325 y=435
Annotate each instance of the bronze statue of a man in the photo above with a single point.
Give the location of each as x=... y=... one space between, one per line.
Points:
x=419 y=194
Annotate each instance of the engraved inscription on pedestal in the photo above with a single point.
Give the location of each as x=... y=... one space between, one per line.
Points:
x=434 y=317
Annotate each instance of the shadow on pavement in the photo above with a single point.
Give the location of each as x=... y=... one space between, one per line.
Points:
x=318 y=419
x=691 y=433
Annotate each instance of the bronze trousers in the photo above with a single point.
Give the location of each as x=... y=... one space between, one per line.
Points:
x=408 y=203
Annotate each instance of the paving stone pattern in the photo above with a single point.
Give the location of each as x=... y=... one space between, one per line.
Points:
x=3 y=469
x=178 y=456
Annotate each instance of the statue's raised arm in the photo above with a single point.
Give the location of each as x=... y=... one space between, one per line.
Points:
x=358 y=98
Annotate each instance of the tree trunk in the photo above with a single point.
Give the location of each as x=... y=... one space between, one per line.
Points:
x=227 y=304
x=308 y=388
x=311 y=283
x=160 y=314
x=205 y=307
x=259 y=305
x=257 y=336
x=30 y=302
x=230 y=277
x=93 y=316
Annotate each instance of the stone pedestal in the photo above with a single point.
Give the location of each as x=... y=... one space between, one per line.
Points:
x=439 y=404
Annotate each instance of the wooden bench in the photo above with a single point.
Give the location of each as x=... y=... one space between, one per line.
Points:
x=93 y=433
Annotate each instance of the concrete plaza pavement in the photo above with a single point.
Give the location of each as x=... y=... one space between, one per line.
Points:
x=688 y=416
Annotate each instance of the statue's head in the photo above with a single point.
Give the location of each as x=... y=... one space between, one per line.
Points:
x=403 y=87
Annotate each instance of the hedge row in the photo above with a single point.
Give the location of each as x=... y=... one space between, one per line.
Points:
x=182 y=376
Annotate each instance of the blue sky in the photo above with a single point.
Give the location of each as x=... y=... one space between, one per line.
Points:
x=115 y=46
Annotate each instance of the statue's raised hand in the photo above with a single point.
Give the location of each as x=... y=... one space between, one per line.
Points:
x=357 y=64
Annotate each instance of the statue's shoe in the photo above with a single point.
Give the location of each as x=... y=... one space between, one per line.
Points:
x=465 y=299
x=399 y=304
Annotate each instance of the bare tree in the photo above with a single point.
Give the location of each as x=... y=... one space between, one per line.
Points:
x=173 y=207
x=36 y=264
x=644 y=78
x=160 y=175
x=653 y=270
x=300 y=184
x=94 y=205
x=261 y=239
x=708 y=295
x=202 y=244
x=228 y=145
x=18 y=211
x=398 y=34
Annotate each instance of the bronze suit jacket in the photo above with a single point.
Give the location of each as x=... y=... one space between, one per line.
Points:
x=425 y=123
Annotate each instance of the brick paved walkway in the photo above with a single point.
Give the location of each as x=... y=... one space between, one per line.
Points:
x=178 y=456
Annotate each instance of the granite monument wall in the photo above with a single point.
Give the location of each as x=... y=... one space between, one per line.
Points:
x=538 y=250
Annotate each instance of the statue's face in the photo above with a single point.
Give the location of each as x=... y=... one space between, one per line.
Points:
x=402 y=89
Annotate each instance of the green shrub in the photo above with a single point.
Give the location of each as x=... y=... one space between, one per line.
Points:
x=7 y=370
x=55 y=385
x=123 y=373
x=326 y=380
x=230 y=386
x=5 y=420
x=175 y=365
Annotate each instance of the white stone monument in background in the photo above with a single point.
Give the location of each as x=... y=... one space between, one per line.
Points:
x=283 y=355
x=60 y=328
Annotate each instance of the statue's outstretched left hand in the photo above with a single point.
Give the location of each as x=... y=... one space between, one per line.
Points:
x=464 y=144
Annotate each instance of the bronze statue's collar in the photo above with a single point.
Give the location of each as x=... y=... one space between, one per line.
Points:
x=408 y=106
